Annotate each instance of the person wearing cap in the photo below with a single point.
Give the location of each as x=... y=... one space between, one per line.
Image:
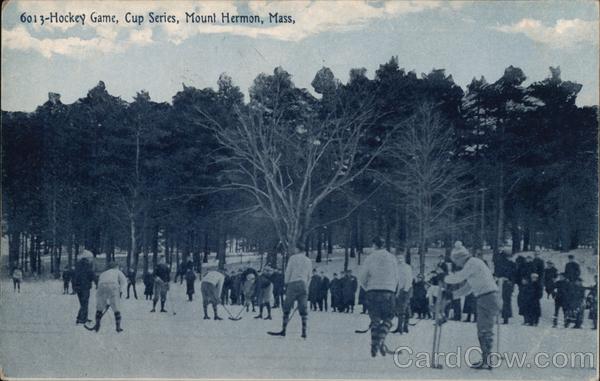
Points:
x=211 y=288
x=296 y=278
x=111 y=284
x=538 y=264
x=379 y=278
x=479 y=280
x=572 y=269
x=83 y=276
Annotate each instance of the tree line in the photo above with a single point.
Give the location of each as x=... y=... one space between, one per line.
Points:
x=412 y=158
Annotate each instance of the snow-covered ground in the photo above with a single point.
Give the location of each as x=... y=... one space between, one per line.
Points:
x=39 y=338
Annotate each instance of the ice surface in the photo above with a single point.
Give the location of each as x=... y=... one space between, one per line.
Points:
x=39 y=338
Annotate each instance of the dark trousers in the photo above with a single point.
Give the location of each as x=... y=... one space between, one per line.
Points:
x=278 y=300
x=17 y=284
x=84 y=298
x=134 y=291
x=381 y=304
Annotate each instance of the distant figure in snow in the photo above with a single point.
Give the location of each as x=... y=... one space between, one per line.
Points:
x=211 y=288
x=533 y=292
x=313 y=290
x=336 y=293
x=83 y=276
x=550 y=274
x=190 y=278
x=349 y=288
x=148 y=285
x=17 y=277
x=324 y=289
x=66 y=277
x=162 y=277
x=575 y=303
x=110 y=288
x=131 y=280
x=278 y=287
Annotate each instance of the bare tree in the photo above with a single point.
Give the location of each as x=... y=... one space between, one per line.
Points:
x=429 y=175
x=289 y=168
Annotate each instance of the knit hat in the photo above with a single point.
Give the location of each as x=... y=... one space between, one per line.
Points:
x=87 y=255
x=459 y=253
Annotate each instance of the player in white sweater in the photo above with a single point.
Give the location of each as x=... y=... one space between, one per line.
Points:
x=111 y=284
x=297 y=276
x=379 y=278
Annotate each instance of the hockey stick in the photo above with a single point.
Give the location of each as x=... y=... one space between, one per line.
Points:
x=369 y=328
x=92 y=328
x=290 y=318
x=231 y=317
x=437 y=331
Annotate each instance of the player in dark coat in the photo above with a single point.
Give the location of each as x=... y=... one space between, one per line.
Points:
x=323 y=291
x=349 y=287
x=336 y=293
x=83 y=276
x=561 y=295
x=572 y=269
x=190 y=278
x=148 y=285
x=550 y=274
x=162 y=277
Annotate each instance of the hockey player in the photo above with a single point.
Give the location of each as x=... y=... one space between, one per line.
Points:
x=296 y=278
x=110 y=288
x=249 y=290
x=162 y=277
x=379 y=278
x=211 y=288
x=83 y=276
x=480 y=282
x=264 y=293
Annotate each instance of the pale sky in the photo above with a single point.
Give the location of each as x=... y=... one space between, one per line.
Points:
x=468 y=39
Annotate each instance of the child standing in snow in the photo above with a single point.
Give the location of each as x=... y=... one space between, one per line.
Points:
x=419 y=301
